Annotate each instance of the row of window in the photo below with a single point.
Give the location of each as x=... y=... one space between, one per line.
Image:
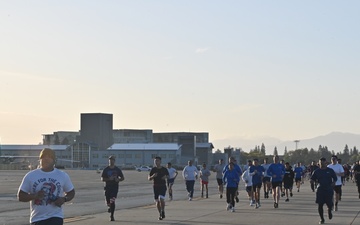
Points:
x=130 y=156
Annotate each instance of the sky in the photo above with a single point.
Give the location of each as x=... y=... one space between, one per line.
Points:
x=235 y=69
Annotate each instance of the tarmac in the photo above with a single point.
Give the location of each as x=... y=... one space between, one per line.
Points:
x=135 y=204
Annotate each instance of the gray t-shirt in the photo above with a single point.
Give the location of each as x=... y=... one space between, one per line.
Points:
x=218 y=168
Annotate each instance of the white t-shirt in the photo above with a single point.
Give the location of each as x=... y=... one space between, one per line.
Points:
x=247 y=178
x=172 y=172
x=337 y=169
x=190 y=172
x=54 y=183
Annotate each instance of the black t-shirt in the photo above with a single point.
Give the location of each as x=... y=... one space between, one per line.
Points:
x=357 y=168
x=162 y=171
x=325 y=178
x=288 y=176
x=112 y=172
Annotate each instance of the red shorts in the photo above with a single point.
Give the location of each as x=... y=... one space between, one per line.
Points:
x=204 y=182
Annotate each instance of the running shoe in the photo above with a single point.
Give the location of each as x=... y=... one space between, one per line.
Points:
x=112 y=218
x=287 y=200
x=228 y=206
x=282 y=194
x=330 y=215
x=291 y=194
x=220 y=195
x=232 y=209
x=163 y=214
x=321 y=221
x=237 y=199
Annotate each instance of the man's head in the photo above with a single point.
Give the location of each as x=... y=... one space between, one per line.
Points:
x=168 y=165
x=47 y=159
x=249 y=162
x=276 y=159
x=322 y=162
x=256 y=162
x=287 y=165
x=221 y=161
x=334 y=159
x=111 y=160
x=157 y=161
x=190 y=162
x=265 y=160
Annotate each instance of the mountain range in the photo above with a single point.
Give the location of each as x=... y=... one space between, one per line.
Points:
x=334 y=141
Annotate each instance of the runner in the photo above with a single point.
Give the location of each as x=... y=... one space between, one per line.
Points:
x=218 y=168
x=247 y=178
x=159 y=174
x=170 y=182
x=298 y=170
x=276 y=171
x=111 y=175
x=326 y=179
x=312 y=168
x=356 y=171
x=204 y=180
x=190 y=174
x=288 y=180
x=231 y=180
x=266 y=179
x=339 y=171
x=237 y=169
x=256 y=172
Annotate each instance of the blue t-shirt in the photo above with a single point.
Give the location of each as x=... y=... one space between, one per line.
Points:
x=256 y=177
x=298 y=172
x=276 y=171
x=231 y=178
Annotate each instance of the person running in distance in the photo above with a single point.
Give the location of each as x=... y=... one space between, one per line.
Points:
x=158 y=174
x=339 y=171
x=231 y=180
x=266 y=178
x=218 y=168
x=256 y=172
x=204 y=180
x=298 y=170
x=47 y=189
x=356 y=171
x=276 y=171
x=237 y=169
x=111 y=175
x=247 y=178
x=326 y=179
x=190 y=174
x=172 y=176
x=312 y=168
x=288 y=181
x=282 y=190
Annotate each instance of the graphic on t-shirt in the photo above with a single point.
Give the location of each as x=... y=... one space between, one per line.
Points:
x=51 y=188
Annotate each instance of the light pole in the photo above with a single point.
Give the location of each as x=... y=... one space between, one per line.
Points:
x=296 y=144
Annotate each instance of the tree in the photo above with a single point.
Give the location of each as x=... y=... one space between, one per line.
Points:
x=263 y=151
x=275 y=151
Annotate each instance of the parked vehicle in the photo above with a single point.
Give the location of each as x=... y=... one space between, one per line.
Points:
x=143 y=168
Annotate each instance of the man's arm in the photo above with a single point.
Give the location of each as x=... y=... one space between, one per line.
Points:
x=68 y=197
x=27 y=197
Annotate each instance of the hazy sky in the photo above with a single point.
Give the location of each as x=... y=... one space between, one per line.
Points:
x=236 y=69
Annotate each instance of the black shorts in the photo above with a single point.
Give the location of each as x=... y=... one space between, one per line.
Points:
x=288 y=185
x=257 y=186
x=170 y=181
x=337 y=189
x=276 y=184
x=219 y=181
x=297 y=179
x=249 y=189
x=110 y=193
x=324 y=197
x=159 y=192
x=266 y=179
x=52 y=221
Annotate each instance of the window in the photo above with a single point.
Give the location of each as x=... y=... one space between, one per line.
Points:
x=138 y=156
x=121 y=156
x=153 y=156
x=171 y=156
x=163 y=156
x=128 y=156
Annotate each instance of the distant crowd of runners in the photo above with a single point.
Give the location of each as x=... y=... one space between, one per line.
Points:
x=278 y=179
